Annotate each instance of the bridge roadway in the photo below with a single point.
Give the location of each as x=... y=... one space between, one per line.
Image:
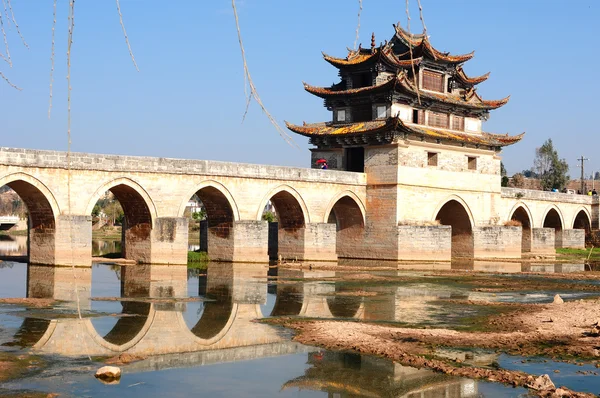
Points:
x=323 y=214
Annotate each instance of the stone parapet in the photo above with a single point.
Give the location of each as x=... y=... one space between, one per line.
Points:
x=145 y=164
x=497 y=242
x=533 y=194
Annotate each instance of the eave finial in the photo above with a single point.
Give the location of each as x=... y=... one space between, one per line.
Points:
x=373 y=44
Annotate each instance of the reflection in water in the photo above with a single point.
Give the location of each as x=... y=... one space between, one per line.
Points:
x=351 y=375
x=105 y=247
x=220 y=326
x=11 y=245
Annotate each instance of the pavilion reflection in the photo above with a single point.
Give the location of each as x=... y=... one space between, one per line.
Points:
x=351 y=375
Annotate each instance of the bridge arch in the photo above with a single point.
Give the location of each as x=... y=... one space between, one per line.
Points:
x=553 y=218
x=139 y=211
x=43 y=211
x=521 y=213
x=455 y=212
x=15 y=178
x=286 y=200
x=347 y=212
x=125 y=183
x=222 y=189
x=582 y=220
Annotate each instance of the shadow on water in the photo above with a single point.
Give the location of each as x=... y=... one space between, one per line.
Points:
x=187 y=320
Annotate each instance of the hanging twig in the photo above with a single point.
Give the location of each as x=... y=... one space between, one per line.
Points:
x=7 y=59
x=125 y=34
x=422 y=19
x=52 y=60
x=412 y=62
x=250 y=83
x=360 y=7
x=16 y=24
x=9 y=82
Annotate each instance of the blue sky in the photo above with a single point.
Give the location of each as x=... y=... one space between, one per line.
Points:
x=188 y=99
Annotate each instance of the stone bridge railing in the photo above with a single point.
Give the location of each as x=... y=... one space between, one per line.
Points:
x=532 y=194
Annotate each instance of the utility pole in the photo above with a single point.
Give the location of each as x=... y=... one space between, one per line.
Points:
x=582 y=159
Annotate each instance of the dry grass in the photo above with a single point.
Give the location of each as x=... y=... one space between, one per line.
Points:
x=513 y=223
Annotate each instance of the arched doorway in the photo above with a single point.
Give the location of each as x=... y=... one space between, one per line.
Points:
x=552 y=220
x=454 y=214
x=286 y=240
x=520 y=216
x=31 y=204
x=347 y=216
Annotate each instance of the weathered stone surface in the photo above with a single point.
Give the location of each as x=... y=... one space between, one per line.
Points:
x=557 y=299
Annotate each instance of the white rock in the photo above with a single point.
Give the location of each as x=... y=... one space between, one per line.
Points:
x=558 y=299
x=108 y=373
x=542 y=383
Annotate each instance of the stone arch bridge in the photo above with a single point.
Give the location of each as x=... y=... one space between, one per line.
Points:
x=323 y=214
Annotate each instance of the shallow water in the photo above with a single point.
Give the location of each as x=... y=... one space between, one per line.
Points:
x=209 y=343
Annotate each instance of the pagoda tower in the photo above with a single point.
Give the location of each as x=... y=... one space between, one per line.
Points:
x=410 y=118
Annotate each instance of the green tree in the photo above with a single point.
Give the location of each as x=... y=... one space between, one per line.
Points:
x=551 y=170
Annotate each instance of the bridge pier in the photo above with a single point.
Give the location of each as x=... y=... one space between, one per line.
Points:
x=169 y=241
x=313 y=242
x=543 y=241
x=69 y=244
x=497 y=242
x=571 y=239
x=240 y=241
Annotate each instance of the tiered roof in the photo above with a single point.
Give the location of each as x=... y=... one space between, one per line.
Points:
x=401 y=83
x=398 y=59
x=386 y=130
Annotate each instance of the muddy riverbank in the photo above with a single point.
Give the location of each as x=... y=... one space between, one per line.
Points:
x=569 y=330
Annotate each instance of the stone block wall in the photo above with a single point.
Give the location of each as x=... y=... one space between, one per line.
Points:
x=543 y=241
x=573 y=238
x=426 y=243
x=73 y=241
x=497 y=242
x=169 y=235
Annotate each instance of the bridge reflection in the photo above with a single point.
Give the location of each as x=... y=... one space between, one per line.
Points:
x=161 y=320
x=351 y=375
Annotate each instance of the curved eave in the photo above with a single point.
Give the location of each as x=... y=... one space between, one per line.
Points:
x=358 y=59
x=393 y=60
x=462 y=77
x=420 y=40
x=473 y=100
x=328 y=92
x=330 y=129
x=483 y=139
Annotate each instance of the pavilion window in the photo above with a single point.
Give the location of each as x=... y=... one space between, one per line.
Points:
x=433 y=81
x=458 y=123
x=472 y=163
x=363 y=80
x=432 y=159
x=418 y=116
x=341 y=115
x=437 y=119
